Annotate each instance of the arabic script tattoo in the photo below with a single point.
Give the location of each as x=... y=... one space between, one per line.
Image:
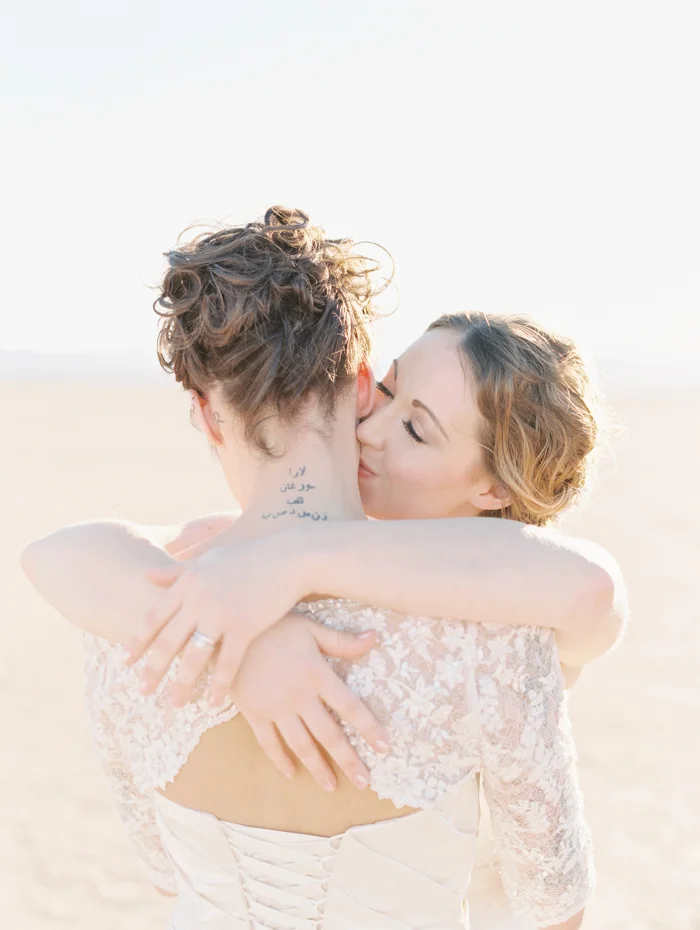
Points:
x=297 y=500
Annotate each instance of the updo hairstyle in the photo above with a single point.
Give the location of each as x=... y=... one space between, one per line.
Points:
x=273 y=312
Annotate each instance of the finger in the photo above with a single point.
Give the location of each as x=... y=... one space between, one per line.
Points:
x=300 y=741
x=342 y=643
x=353 y=711
x=227 y=664
x=165 y=577
x=193 y=662
x=328 y=734
x=156 y=618
x=273 y=747
x=165 y=647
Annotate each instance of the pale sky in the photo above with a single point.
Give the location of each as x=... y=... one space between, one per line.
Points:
x=537 y=157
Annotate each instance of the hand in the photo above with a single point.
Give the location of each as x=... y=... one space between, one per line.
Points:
x=284 y=688
x=231 y=593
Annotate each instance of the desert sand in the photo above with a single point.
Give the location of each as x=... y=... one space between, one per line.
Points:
x=78 y=452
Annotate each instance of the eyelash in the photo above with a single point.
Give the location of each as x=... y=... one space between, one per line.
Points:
x=407 y=425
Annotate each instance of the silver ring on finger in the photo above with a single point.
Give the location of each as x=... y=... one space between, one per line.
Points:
x=202 y=641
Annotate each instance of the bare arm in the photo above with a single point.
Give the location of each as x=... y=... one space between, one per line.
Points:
x=94 y=575
x=482 y=570
x=178 y=537
x=478 y=569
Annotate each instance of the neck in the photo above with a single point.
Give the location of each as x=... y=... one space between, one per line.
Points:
x=312 y=482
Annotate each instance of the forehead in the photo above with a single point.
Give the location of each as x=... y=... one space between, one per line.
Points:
x=435 y=371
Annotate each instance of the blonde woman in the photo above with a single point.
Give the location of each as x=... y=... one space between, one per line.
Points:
x=212 y=816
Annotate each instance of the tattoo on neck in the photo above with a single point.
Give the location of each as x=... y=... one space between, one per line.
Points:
x=294 y=493
x=218 y=419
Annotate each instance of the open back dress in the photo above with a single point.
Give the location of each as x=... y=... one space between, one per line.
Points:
x=465 y=705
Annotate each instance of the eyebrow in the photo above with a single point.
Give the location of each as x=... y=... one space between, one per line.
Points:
x=421 y=405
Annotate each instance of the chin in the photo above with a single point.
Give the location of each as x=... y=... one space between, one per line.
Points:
x=370 y=506
x=379 y=508
x=377 y=511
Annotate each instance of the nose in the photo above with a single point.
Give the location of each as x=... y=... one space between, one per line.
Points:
x=371 y=431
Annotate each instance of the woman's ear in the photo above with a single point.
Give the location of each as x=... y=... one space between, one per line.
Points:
x=366 y=393
x=485 y=493
x=203 y=417
x=491 y=498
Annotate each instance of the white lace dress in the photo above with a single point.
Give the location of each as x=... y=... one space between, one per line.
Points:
x=463 y=704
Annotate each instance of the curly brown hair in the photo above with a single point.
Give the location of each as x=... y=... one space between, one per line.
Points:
x=273 y=312
x=540 y=412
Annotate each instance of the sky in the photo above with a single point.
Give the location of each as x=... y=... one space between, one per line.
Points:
x=536 y=157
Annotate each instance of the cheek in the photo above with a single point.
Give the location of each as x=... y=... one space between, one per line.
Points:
x=398 y=491
x=408 y=469
x=419 y=483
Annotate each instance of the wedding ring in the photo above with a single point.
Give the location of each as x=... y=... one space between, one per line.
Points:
x=202 y=641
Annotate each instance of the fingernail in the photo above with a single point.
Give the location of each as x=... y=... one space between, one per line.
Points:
x=289 y=773
x=214 y=699
x=361 y=781
x=144 y=687
x=328 y=786
x=381 y=746
x=366 y=634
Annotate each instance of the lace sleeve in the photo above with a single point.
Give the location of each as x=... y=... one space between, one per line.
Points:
x=135 y=806
x=529 y=775
x=137 y=812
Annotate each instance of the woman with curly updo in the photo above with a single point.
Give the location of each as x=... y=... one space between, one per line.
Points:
x=399 y=718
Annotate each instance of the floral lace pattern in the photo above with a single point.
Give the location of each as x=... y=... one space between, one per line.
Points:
x=142 y=742
x=458 y=700
x=415 y=685
x=529 y=775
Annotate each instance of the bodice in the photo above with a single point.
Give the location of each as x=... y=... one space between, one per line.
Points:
x=460 y=702
x=411 y=871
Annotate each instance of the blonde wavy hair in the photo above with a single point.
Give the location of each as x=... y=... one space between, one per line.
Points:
x=541 y=415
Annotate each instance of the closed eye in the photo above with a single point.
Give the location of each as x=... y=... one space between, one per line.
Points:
x=383 y=389
x=408 y=426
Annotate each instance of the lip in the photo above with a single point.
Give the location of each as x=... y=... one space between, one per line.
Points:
x=366 y=472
